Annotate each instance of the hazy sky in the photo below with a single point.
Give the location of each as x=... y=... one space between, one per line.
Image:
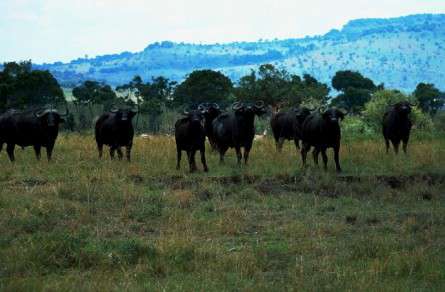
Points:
x=61 y=30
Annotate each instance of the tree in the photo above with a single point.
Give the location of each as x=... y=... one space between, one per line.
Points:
x=308 y=90
x=203 y=86
x=21 y=87
x=430 y=99
x=151 y=97
x=355 y=90
x=93 y=92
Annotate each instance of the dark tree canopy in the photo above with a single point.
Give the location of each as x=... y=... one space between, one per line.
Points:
x=430 y=98
x=277 y=87
x=356 y=90
x=203 y=86
x=21 y=87
x=93 y=92
x=346 y=79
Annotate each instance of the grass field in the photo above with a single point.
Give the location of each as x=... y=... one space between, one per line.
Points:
x=83 y=224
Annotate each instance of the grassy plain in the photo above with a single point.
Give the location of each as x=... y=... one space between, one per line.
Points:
x=83 y=224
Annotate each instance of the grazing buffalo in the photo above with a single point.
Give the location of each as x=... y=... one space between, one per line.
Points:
x=211 y=111
x=115 y=129
x=190 y=137
x=287 y=126
x=322 y=130
x=38 y=129
x=237 y=129
x=397 y=125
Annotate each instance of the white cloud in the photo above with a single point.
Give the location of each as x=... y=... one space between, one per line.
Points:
x=50 y=30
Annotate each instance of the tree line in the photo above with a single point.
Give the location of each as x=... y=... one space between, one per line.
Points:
x=22 y=87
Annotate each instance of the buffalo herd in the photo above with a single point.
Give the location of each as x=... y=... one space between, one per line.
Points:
x=315 y=128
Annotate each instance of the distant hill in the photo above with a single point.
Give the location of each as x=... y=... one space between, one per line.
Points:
x=399 y=52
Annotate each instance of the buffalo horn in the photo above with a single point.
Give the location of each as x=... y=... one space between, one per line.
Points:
x=237 y=105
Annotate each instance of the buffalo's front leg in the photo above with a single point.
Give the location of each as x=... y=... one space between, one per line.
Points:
x=119 y=153
x=405 y=145
x=10 y=151
x=325 y=158
x=246 y=155
x=203 y=158
x=128 y=152
x=100 y=148
x=238 y=154
x=387 y=145
x=304 y=150
x=112 y=150
x=315 y=153
x=49 y=151
x=336 y=158
x=37 y=151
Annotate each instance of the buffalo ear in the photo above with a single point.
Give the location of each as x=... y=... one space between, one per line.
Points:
x=62 y=120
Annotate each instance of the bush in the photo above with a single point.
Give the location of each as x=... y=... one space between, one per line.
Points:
x=354 y=126
x=383 y=99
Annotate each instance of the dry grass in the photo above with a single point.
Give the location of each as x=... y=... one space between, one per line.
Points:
x=83 y=224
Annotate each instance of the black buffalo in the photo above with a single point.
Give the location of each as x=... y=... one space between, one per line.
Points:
x=287 y=126
x=211 y=112
x=322 y=130
x=237 y=129
x=38 y=129
x=397 y=125
x=115 y=129
x=190 y=137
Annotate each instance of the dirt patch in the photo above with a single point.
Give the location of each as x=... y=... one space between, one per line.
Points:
x=33 y=182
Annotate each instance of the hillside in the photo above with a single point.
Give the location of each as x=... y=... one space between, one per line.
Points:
x=400 y=52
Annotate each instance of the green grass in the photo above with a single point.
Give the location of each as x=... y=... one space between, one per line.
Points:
x=83 y=224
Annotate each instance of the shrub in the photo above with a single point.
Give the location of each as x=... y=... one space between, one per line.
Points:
x=354 y=126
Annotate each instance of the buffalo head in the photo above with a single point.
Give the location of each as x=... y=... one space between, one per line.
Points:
x=195 y=116
x=50 y=117
x=403 y=107
x=302 y=112
x=124 y=115
x=332 y=115
x=249 y=109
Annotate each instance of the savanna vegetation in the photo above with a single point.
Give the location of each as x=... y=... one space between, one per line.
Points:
x=80 y=223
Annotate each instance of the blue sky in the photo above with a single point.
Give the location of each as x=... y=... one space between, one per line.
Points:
x=62 y=30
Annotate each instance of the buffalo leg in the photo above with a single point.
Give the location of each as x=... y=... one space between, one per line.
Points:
x=315 y=153
x=405 y=145
x=396 y=144
x=304 y=149
x=238 y=155
x=49 y=151
x=128 y=152
x=325 y=159
x=387 y=145
x=336 y=158
x=222 y=152
x=1 y=146
x=100 y=148
x=203 y=158
x=178 y=158
x=297 y=143
x=191 y=156
x=112 y=149
x=37 y=151
x=246 y=155
x=10 y=151
x=280 y=143
x=119 y=153
x=194 y=160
